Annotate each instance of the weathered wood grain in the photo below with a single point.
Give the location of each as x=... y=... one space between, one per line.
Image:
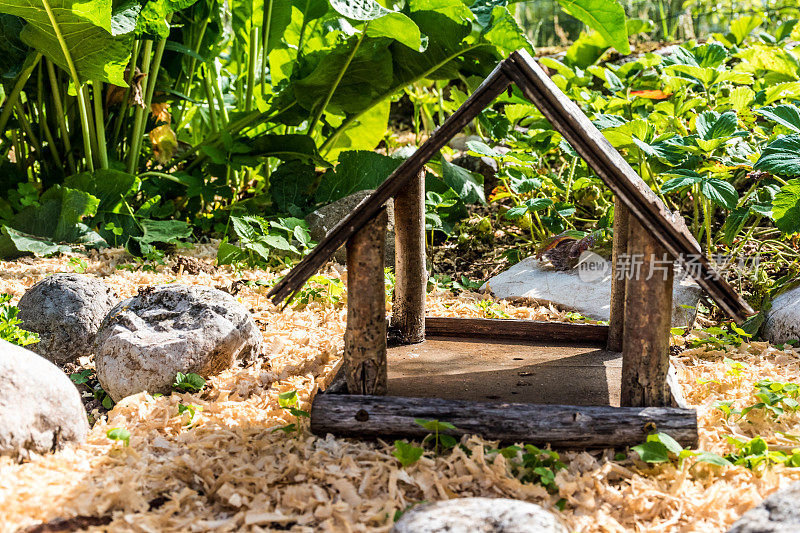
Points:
x=648 y=316
x=411 y=275
x=514 y=329
x=616 y=321
x=561 y=426
x=365 y=336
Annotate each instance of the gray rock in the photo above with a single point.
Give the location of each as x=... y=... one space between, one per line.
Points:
x=323 y=220
x=479 y=515
x=145 y=340
x=783 y=318
x=535 y=280
x=40 y=408
x=779 y=513
x=65 y=310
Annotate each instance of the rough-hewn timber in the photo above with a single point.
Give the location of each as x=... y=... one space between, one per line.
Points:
x=562 y=426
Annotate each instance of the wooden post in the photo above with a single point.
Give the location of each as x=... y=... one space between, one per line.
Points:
x=616 y=320
x=365 y=336
x=648 y=316
x=411 y=276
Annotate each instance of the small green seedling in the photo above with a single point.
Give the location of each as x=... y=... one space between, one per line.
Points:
x=755 y=455
x=440 y=440
x=406 y=453
x=660 y=447
x=530 y=464
x=88 y=379
x=189 y=413
x=288 y=401
x=78 y=265
x=188 y=382
x=120 y=434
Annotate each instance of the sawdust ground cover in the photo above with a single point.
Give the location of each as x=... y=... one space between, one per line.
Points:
x=226 y=470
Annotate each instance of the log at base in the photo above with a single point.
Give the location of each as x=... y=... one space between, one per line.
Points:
x=365 y=336
x=411 y=277
x=648 y=317
x=561 y=426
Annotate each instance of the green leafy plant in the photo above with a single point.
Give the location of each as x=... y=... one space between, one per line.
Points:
x=407 y=454
x=661 y=448
x=441 y=441
x=288 y=401
x=119 y=434
x=530 y=464
x=755 y=455
x=189 y=413
x=9 y=324
x=88 y=379
x=190 y=382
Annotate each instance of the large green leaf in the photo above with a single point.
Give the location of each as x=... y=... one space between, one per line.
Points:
x=355 y=172
x=786 y=208
x=110 y=187
x=154 y=16
x=86 y=28
x=712 y=125
x=368 y=75
x=505 y=33
x=784 y=114
x=359 y=9
x=720 y=192
x=781 y=156
x=399 y=27
x=12 y=50
x=468 y=185
x=364 y=134
x=52 y=225
x=606 y=17
x=290 y=185
x=293 y=147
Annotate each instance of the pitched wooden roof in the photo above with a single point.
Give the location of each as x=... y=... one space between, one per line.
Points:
x=566 y=118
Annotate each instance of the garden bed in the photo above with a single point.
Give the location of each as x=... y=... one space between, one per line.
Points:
x=229 y=471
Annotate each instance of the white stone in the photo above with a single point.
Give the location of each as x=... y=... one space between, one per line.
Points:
x=146 y=340
x=783 y=318
x=479 y=515
x=537 y=281
x=40 y=408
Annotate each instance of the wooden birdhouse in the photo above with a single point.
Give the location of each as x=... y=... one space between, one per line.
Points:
x=639 y=328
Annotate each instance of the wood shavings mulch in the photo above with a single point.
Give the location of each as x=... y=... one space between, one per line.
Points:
x=228 y=471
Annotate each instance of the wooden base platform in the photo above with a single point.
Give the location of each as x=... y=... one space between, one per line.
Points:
x=493 y=370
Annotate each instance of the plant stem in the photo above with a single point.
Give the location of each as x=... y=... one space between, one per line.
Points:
x=99 y=123
x=123 y=109
x=338 y=80
x=252 y=58
x=82 y=107
x=138 y=117
x=266 y=24
x=192 y=66
x=215 y=83
x=212 y=112
x=13 y=96
x=26 y=127
x=59 y=112
x=90 y=122
x=148 y=97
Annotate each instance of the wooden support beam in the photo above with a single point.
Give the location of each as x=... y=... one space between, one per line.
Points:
x=616 y=321
x=411 y=275
x=648 y=317
x=516 y=330
x=561 y=426
x=365 y=336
